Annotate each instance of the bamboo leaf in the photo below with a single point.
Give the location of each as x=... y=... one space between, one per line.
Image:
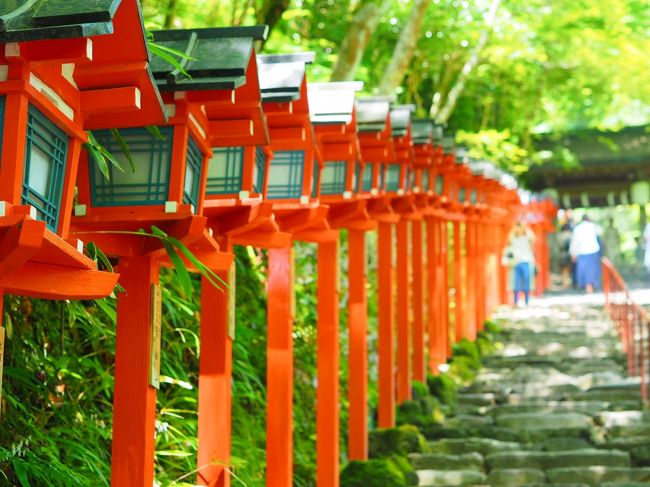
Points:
x=99 y=159
x=124 y=147
x=179 y=267
x=155 y=131
x=21 y=472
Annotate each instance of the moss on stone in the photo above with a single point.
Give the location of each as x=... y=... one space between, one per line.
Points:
x=443 y=388
x=378 y=472
x=402 y=440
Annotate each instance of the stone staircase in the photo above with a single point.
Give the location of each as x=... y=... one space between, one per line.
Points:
x=552 y=406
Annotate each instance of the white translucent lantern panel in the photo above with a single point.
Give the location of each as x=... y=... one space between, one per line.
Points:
x=286 y=175
x=225 y=170
x=193 y=166
x=333 y=177
x=393 y=177
x=46 y=150
x=147 y=183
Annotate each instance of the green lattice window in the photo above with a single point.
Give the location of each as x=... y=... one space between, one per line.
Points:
x=473 y=197
x=259 y=169
x=440 y=184
x=225 y=170
x=333 y=177
x=286 y=174
x=46 y=152
x=425 y=180
x=148 y=184
x=392 y=177
x=382 y=175
x=461 y=195
x=366 y=178
x=193 y=164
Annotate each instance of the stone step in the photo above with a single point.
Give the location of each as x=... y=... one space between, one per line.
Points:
x=476 y=399
x=589 y=408
x=516 y=477
x=622 y=431
x=450 y=477
x=437 y=432
x=544 y=421
x=598 y=475
x=484 y=446
x=442 y=461
x=469 y=421
x=545 y=460
x=609 y=419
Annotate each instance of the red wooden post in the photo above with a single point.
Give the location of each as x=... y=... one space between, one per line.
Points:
x=419 y=366
x=358 y=348
x=386 y=321
x=134 y=403
x=403 y=309
x=435 y=285
x=327 y=394
x=460 y=331
x=469 y=282
x=444 y=289
x=215 y=376
x=279 y=407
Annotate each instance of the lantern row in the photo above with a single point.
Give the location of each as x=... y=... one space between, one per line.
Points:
x=223 y=148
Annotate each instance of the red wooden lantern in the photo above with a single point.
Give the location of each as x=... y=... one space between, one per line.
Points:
x=52 y=59
x=399 y=173
x=334 y=119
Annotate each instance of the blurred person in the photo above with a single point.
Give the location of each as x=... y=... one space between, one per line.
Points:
x=585 y=252
x=521 y=257
x=566 y=264
x=646 y=241
x=612 y=244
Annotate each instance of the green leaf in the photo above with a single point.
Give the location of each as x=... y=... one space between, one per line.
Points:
x=155 y=131
x=21 y=472
x=179 y=267
x=124 y=147
x=205 y=271
x=99 y=159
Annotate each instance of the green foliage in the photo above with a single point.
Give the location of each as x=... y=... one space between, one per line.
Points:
x=443 y=388
x=402 y=440
x=378 y=472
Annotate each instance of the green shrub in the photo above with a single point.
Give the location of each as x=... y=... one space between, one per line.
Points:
x=466 y=348
x=402 y=440
x=420 y=390
x=443 y=388
x=378 y=472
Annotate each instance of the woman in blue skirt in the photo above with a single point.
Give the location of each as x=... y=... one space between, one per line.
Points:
x=585 y=252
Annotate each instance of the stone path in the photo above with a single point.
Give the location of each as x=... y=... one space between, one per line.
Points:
x=553 y=406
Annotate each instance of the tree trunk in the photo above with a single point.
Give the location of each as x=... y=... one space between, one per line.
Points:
x=363 y=24
x=170 y=15
x=441 y=115
x=403 y=52
x=271 y=12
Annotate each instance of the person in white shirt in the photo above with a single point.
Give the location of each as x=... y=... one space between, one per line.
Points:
x=520 y=248
x=585 y=252
x=646 y=238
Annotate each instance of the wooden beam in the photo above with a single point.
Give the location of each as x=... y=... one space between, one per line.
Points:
x=19 y=243
x=225 y=129
x=110 y=100
x=59 y=50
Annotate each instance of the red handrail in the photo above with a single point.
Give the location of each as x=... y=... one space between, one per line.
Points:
x=631 y=320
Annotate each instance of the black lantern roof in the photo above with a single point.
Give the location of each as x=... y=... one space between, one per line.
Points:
x=400 y=119
x=372 y=113
x=31 y=20
x=422 y=131
x=216 y=58
x=281 y=75
x=448 y=141
x=332 y=102
x=438 y=134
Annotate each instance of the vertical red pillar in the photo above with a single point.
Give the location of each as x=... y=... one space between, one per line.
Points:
x=215 y=374
x=459 y=323
x=2 y=346
x=444 y=289
x=480 y=245
x=417 y=242
x=437 y=344
x=386 y=406
x=540 y=259
x=327 y=394
x=358 y=347
x=470 y=282
x=403 y=318
x=279 y=367
x=134 y=399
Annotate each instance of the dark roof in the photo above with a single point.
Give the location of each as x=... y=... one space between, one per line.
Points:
x=332 y=102
x=422 y=131
x=31 y=20
x=372 y=113
x=281 y=75
x=400 y=119
x=217 y=58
